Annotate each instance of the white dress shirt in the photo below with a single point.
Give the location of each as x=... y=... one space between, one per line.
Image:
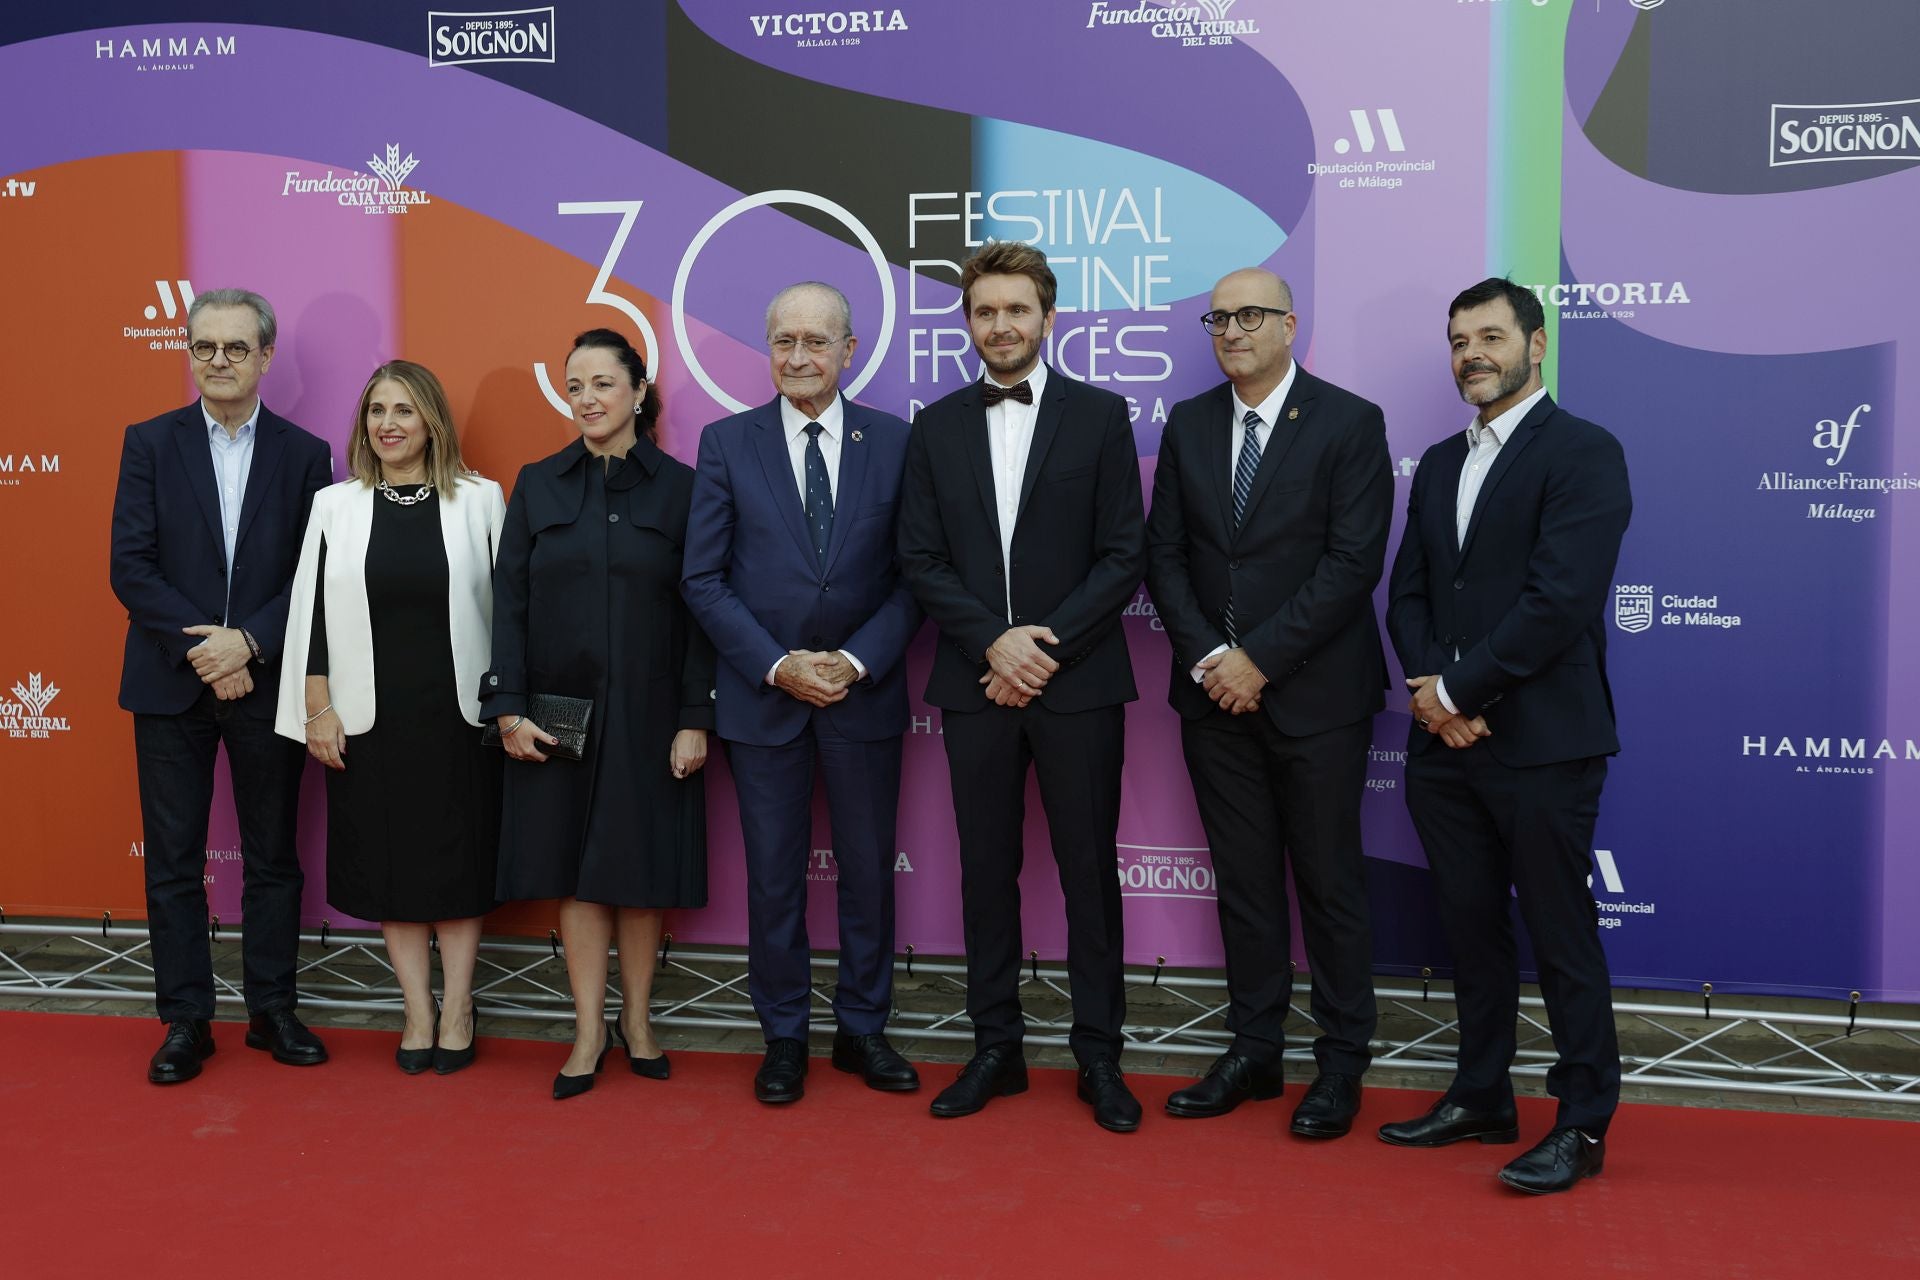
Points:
x=1269 y=411
x=795 y=424
x=1009 y=440
x=1483 y=446
x=232 y=464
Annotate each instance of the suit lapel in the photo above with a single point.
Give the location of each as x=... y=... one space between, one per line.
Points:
x=853 y=476
x=1046 y=425
x=196 y=455
x=770 y=435
x=1294 y=418
x=973 y=431
x=1522 y=436
x=269 y=442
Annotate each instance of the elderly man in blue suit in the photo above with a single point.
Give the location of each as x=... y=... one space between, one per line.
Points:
x=790 y=569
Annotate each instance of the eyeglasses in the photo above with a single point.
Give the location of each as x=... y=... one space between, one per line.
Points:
x=1250 y=318
x=237 y=352
x=784 y=346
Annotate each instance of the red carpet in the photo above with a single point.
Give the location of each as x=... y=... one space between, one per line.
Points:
x=352 y=1169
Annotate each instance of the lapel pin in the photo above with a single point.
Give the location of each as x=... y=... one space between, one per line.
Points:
x=1293 y=413
x=854 y=436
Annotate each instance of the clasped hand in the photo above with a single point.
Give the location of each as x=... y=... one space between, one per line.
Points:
x=1233 y=681
x=815 y=676
x=1432 y=715
x=220 y=659
x=1018 y=669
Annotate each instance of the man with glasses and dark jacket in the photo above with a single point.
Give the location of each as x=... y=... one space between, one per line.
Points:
x=207 y=523
x=1271 y=501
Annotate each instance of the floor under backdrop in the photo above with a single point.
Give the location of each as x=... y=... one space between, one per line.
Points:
x=353 y=1169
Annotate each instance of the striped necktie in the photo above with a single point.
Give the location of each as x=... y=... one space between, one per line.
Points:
x=1243 y=472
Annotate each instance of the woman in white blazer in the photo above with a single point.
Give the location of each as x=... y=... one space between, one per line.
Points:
x=388 y=631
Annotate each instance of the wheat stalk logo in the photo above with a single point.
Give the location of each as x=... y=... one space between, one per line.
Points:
x=34 y=694
x=393 y=170
x=1218 y=8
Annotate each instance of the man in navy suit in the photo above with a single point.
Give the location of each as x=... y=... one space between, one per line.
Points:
x=1496 y=609
x=790 y=568
x=207 y=523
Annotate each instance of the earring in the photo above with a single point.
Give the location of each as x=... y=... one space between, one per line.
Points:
x=636 y=409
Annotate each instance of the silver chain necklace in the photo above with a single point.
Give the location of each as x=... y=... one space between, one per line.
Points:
x=419 y=495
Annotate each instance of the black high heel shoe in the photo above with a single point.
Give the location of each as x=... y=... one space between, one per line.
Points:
x=448 y=1061
x=414 y=1061
x=566 y=1086
x=651 y=1068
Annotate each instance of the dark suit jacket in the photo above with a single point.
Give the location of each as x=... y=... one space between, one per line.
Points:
x=1523 y=598
x=1078 y=551
x=1300 y=569
x=755 y=585
x=169 y=556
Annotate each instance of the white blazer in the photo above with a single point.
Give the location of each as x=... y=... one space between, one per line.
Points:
x=470 y=521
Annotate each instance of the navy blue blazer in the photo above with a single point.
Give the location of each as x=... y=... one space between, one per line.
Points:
x=756 y=587
x=1522 y=598
x=169 y=557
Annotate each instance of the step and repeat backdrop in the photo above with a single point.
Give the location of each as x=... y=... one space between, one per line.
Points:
x=1715 y=201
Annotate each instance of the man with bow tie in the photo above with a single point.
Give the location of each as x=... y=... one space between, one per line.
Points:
x=1021 y=534
x=1271 y=500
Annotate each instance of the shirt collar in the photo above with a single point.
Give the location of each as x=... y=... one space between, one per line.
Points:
x=1268 y=409
x=214 y=425
x=1036 y=381
x=1502 y=427
x=795 y=422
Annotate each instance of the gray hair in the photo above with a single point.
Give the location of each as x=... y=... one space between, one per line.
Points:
x=261 y=308
x=839 y=298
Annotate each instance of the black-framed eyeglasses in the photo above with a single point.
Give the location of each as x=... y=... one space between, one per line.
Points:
x=237 y=352
x=783 y=346
x=1250 y=318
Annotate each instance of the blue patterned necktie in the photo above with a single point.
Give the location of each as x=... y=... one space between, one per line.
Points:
x=819 y=493
x=1244 y=470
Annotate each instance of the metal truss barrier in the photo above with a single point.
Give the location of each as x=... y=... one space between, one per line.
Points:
x=1716 y=1047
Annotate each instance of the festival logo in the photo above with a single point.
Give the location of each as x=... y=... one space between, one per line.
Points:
x=25 y=715
x=510 y=35
x=1884 y=131
x=378 y=191
x=1153 y=871
x=167 y=52
x=1187 y=23
x=827 y=28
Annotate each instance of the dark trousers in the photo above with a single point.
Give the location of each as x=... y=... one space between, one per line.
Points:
x=1488 y=828
x=175 y=757
x=1077 y=758
x=775 y=786
x=1263 y=795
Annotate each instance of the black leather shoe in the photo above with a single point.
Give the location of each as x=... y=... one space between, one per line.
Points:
x=447 y=1061
x=189 y=1042
x=783 y=1072
x=566 y=1086
x=1328 y=1109
x=1561 y=1159
x=872 y=1057
x=289 y=1040
x=1445 y=1123
x=414 y=1061
x=1114 y=1106
x=649 y=1068
x=996 y=1072
x=1231 y=1080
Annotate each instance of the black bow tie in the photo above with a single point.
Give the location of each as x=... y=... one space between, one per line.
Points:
x=992 y=393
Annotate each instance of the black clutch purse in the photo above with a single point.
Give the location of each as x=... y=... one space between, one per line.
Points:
x=564 y=718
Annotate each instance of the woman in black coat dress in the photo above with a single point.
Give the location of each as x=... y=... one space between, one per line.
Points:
x=587 y=605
